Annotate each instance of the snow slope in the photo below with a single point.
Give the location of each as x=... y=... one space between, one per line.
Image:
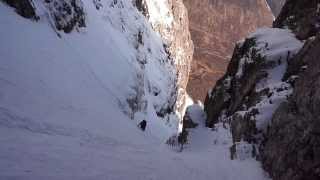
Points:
x=31 y=153
x=85 y=76
x=63 y=104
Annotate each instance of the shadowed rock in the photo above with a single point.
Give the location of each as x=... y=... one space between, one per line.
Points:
x=291 y=150
x=23 y=7
x=300 y=16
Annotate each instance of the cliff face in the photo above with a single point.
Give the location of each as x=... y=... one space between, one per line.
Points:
x=173 y=24
x=253 y=82
x=291 y=148
x=270 y=94
x=215 y=26
x=300 y=17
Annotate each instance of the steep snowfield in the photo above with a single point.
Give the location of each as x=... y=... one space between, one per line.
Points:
x=56 y=153
x=63 y=111
x=84 y=77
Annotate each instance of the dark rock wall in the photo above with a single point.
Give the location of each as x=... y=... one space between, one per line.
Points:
x=300 y=16
x=230 y=91
x=290 y=146
x=291 y=150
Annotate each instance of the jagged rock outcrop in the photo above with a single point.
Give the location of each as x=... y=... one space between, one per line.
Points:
x=241 y=93
x=276 y=6
x=276 y=106
x=216 y=25
x=67 y=14
x=229 y=92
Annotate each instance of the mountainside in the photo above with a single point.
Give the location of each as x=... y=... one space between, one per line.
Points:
x=270 y=94
x=216 y=25
x=151 y=76
x=77 y=77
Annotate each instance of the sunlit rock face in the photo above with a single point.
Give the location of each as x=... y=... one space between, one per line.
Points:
x=170 y=19
x=215 y=26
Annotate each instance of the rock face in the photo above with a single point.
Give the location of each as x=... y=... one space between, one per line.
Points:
x=270 y=94
x=291 y=149
x=276 y=6
x=173 y=27
x=303 y=18
x=292 y=146
x=215 y=26
x=67 y=14
x=142 y=7
x=228 y=93
x=253 y=80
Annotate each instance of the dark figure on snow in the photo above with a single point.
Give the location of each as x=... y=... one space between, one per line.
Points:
x=142 y=125
x=183 y=138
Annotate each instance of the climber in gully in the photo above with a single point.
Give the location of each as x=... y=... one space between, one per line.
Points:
x=142 y=125
x=183 y=138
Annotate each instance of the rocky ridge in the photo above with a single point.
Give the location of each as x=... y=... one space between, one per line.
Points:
x=275 y=106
